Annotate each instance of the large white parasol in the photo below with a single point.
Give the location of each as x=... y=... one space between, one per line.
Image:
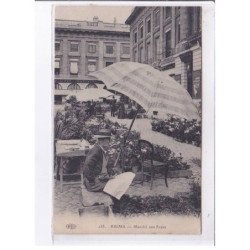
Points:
x=152 y=89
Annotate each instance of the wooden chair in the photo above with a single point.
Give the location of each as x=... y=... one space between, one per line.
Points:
x=148 y=164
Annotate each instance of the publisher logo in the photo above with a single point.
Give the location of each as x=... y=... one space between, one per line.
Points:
x=71 y=226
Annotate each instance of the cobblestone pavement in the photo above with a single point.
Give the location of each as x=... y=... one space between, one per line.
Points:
x=68 y=201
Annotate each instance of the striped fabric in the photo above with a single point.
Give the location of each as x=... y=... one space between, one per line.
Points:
x=152 y=89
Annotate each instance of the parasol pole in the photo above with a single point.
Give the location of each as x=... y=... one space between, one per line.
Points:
x=131 y=125
x=121 y=154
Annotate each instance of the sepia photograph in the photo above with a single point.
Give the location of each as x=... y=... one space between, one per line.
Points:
x=127 y=89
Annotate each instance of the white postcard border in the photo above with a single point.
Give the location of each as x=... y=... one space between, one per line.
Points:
x=44 y=135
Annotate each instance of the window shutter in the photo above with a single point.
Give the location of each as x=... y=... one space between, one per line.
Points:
x=57 y=64
x=73 y=67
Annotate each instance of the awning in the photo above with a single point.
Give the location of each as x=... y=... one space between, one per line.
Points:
x=85 y=94
x=92 y=94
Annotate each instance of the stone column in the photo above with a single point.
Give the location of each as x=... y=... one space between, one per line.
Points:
x=195 y=19
x=184 y=22
x=65 y=65
x=100 y=55
x=184 y=75
x=152 y=37
x=144 y=41
x=137 y=43
x=82 y=64
x=131 y=45
x=162 y=44
x=173 y=28
x=118 y=51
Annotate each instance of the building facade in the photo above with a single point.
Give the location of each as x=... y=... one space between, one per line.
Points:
x=82 y=47
x=169 y=38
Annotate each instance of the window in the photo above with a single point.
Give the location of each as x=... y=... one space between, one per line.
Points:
x=177 y=11
x=108 y=63
x=168 y=44
x=74 y=86
x=157 y=18
x=148 y=26
x=125 y=49
x=194 y=18
x=177 y=30
x=157 y=48
x=91 y=86
x=92 y=48
x=135 y=37
x=58 y=99
x=74 y=46
x=57 y=45
x=92 y=23
x=167 y=12
x=57 y=66
x=109 y=49
x=74 y=66
x=148 y=52
x=141 y=32
x=91 y=65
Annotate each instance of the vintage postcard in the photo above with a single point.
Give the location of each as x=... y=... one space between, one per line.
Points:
x=128 y=97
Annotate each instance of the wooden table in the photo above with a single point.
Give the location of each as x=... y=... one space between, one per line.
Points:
x=66 y=149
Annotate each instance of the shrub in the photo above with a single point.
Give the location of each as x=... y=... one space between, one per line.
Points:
x=183 y=130
x=134 y=205
x=195 y=196
x=74 y=123
x=70 y=122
